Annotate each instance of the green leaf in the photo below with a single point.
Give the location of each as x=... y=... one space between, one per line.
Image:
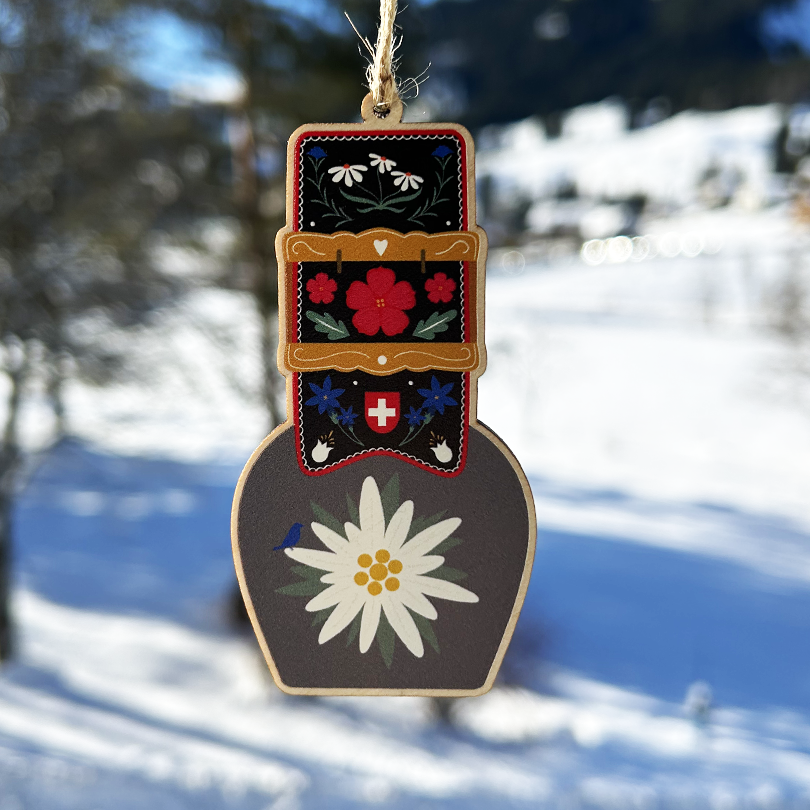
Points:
x=446 y=545
x=362 y=200
x=327 y=519
x=422 y=523
x=327 y=325
x=310 y=587
x=307 y=572
x=427 y=330
x=407 y=198
x=447 y=573
x=385 y=640
x=321 y=616
x=390 y=497
x=354 y=629
x=425 y=628
x=385 y=207
x=354 y=515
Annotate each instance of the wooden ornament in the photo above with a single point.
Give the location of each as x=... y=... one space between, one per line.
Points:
x=383 y=537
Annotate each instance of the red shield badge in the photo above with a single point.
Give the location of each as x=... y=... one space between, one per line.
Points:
x=382 y=411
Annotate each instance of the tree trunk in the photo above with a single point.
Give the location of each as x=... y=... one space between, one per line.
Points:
x=10 y=457
x=265 y=281
x=56 y=395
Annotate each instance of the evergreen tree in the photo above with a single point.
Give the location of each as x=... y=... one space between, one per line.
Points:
x=91 y=163
x=516 y=58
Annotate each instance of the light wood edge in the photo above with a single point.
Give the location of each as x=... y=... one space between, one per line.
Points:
x=325 y=692
x=474 y=424
x=393 y=119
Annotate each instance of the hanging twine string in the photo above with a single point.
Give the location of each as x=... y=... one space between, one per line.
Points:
x=380 y=73
x=382 y=82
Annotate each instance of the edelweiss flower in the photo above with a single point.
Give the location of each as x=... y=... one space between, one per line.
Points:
x=406 y=180
x=385 y=165
x=376 y=570
x=348 y=174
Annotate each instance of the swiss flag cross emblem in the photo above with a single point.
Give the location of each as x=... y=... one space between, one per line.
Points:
x=382 y=411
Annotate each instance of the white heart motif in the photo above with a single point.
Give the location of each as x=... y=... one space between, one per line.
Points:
x=380 y=245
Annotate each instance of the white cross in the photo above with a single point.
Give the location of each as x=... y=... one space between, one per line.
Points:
x=381 y=413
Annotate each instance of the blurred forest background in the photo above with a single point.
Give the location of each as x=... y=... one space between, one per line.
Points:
x=142 y=160
x=106 y=162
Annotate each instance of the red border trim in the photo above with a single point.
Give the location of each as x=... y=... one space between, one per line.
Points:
x=315 y=133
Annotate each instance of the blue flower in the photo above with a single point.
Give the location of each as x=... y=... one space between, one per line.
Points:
x=436 y=396
x=442 y=151
x=414 y=417
x=348 y=416
x=317 y=153
x=325 y=398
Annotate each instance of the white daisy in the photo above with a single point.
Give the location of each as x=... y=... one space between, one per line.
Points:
x=407 y=180
x=384 y=163
x=376 y=570
x=348 y=174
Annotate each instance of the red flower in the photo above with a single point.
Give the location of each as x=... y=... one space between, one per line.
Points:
x=380 y=302
x=321 y=289
x=440 y=288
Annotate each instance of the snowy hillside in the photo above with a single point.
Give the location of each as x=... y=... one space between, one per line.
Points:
x=663 y=656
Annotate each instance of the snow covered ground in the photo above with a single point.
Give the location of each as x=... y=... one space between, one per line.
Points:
x=668 y=447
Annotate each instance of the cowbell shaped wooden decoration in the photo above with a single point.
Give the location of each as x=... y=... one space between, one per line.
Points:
x=383 y=537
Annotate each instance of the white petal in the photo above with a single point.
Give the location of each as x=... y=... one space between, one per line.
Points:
x=369 y=623
x=349 y=182
x=341 y=616
x=326 y=599
x=416 y=601
x=335 y=169
x=441 y=589
x=338 y=177
x=391 y=163
x=355 y=174
x=372 y=519
x=399 y=180
x=324 y=560
x=403 y=624
x=398 y=528
x=376 y=157
x=421 y=565
x=429 y=538
x=415 y=178
x=359 y=540
x=359 y=168
x=332 y=540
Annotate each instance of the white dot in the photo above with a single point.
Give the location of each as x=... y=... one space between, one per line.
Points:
x=410 y=382
x=382 y=359
x=312 y=224
x=354 y=382
x=448 y=222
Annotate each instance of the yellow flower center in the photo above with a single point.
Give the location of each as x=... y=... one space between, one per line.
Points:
x=378 y=572
x=380 y=302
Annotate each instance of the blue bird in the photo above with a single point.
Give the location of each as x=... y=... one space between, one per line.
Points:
x=292 y=538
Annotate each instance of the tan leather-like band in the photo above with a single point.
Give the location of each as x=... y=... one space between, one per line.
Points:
x=382 y=358
x=381 y=244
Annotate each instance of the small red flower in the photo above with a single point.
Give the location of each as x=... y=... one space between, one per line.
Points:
x=380 y=301
x=440 y=288
x=321 y=289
